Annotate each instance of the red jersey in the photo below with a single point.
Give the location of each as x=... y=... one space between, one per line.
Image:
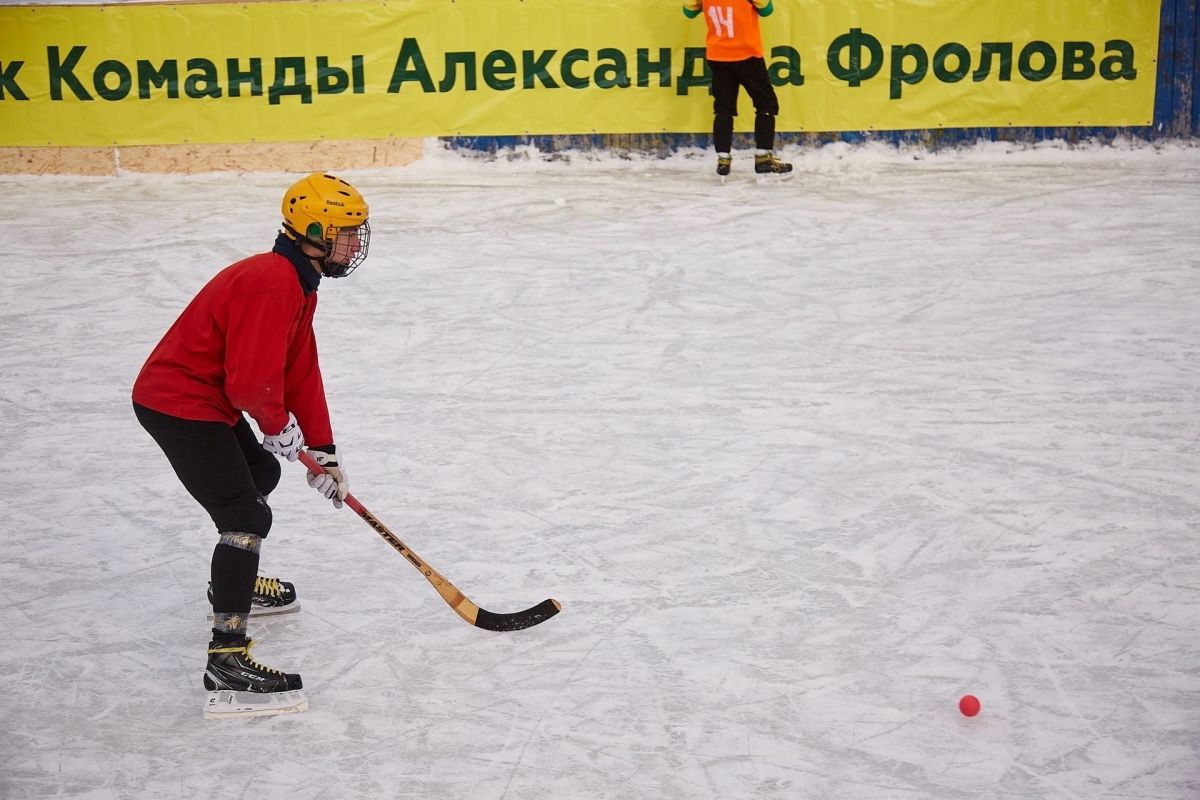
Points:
x=733 y=32
x=244 y=343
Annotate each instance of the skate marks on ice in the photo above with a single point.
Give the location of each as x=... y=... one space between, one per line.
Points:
x=807 y=465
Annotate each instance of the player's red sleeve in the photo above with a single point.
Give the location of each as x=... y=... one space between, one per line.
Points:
x=256 y=344
x=305 y=394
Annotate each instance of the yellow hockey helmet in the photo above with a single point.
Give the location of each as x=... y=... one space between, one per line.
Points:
x=328 y=213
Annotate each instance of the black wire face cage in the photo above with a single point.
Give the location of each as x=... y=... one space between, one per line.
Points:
x=346 y=249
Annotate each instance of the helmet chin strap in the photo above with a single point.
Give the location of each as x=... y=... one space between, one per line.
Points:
x=324 y=265
x=332 y=270
x=327 y=267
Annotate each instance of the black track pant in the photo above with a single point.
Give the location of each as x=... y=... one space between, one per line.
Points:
x=727 y=78
x=226 y=470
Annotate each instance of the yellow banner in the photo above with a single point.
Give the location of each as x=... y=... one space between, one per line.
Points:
x=218 y=72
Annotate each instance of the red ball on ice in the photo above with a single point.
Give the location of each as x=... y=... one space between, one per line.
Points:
x=969 y=705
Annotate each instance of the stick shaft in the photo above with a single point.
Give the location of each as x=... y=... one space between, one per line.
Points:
x=462 y=605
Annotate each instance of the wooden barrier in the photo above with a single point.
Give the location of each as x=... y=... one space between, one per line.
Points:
x=192 y=158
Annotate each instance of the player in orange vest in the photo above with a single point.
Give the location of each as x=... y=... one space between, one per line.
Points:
x=734 y=53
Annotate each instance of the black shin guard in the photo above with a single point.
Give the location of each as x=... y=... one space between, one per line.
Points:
x=234 y=568
x=722 y=132
x=764 y=131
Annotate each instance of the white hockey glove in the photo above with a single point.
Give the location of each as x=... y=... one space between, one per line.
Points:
x=333 y=484
x=288 y=442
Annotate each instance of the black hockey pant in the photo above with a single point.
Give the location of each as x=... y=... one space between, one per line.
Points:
x=727 y=78
x=227 y=471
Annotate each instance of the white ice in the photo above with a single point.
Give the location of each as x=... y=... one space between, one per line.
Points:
x=804 y=463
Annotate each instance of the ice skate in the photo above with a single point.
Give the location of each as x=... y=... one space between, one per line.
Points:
x=271 y=596
x=766 y=164
x=239 y=686
x=724 y=164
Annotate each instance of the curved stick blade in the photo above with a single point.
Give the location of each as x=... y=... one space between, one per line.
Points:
x=518 y=621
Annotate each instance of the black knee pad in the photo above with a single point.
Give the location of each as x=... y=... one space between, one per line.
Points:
x=266 y=473
x=262 y=517
x=247 y=514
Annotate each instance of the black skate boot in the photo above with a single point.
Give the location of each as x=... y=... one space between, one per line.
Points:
x=231 y=668
x=768 y=164
x=724 y=163
x=271 y=596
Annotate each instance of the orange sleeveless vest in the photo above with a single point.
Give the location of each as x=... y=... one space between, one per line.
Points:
x=733 y=33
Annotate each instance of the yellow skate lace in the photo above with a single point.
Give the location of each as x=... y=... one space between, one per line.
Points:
x=245 y=651
x=268 y=586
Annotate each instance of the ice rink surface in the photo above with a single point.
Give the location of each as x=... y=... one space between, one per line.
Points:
x=804 y=463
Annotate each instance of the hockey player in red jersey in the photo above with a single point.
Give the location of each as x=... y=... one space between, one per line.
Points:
x=244 y=346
